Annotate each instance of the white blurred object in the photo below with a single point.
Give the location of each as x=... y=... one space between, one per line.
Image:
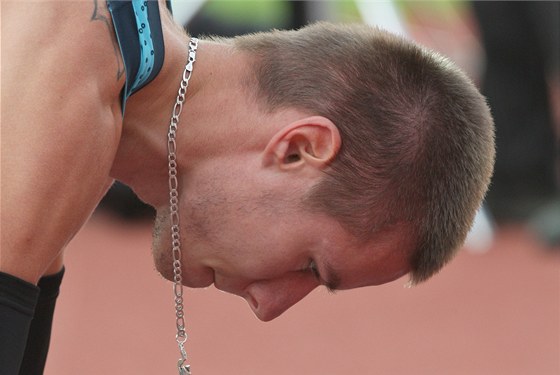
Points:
x=383 y=14
x=184 y=10
x=481 y=236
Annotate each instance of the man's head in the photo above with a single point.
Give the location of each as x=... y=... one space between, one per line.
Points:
x=354 y=158
x=417 y=136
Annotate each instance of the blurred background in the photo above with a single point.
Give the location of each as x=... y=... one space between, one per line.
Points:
x=494 y=310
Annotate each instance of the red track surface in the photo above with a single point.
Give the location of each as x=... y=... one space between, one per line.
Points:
x=493 y=313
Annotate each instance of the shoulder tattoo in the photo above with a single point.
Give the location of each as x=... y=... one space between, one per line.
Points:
x=101 y=14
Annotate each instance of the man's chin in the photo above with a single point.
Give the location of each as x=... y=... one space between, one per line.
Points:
x=201 y=280
x=164 y=263
x=187 y=280
x=201 y=284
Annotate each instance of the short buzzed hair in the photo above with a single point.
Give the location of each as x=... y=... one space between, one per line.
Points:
x=417 y=136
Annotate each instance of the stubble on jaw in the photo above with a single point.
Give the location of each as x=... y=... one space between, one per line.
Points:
x=160 y=252
x=161 y=233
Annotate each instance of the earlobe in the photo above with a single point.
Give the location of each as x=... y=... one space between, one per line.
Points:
x=312 y=141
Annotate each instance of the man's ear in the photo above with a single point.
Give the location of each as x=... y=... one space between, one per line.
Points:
x=312 y=141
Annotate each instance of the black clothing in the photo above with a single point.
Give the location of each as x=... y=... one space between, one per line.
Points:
x=26 y=313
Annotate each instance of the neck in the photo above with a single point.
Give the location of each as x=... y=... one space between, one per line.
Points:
x=142 y=152
x=141 y=160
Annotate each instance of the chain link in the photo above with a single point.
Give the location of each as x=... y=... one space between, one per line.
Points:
x=181 y=335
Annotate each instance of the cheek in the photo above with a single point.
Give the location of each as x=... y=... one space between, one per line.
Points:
x=239 y=227
x=202 y=217
x=258 y=257
x=283 y=254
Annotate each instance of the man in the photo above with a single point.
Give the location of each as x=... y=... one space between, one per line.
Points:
x=336 y=155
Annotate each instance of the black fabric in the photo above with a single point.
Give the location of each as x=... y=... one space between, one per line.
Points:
x=18 y=299
x=26 y=314
x=40 y=332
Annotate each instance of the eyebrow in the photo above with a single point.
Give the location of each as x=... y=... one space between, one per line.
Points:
x=332 y=278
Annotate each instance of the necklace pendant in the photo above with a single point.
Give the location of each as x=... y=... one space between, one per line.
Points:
x=183 y=369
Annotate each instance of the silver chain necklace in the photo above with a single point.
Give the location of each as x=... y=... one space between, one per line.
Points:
x=181 y=336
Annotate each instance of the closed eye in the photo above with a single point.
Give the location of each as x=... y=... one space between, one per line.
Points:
x=312 y=267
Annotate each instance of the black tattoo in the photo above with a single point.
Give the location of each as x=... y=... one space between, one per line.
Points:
x=98 y=16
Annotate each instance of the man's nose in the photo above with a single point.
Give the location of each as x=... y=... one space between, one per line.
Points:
x=270 y=298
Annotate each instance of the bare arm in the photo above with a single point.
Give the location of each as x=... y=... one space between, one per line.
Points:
x=60 y=129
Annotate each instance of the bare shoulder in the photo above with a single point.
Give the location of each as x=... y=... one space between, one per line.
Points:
x=61 y=122
x=56 y=54
x=66 y=45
